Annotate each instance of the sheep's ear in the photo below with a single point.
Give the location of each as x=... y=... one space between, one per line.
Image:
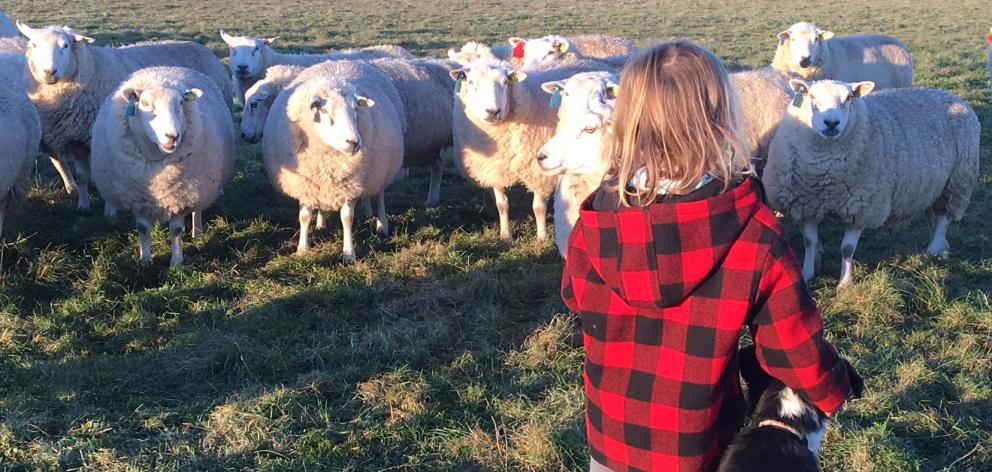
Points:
x=192 y=94
x=453 y=55
x=551 y=87
x=270 y=40
x=516 y=76
x=25 y=29
x=824 y=35
x=783 y=37
x=514 y=41
x=799 y=85
x=364 y=101
x=316 y=102
x=131 y=92
x=228 y=39
x=861 y=89
x=78 y=38
x=560 y=46
x=457 y=74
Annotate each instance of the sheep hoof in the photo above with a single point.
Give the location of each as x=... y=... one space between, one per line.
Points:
x=845 y=283
x=83 y=205
x=144 y=261
x=300 y=252
x=348 y=259
x=432 y=203
x=176 y=261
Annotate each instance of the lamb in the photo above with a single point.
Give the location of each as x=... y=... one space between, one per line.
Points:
x=261 y=95
x=575 y=152
x=499 y=123
x=872 y=160
x=559 y=48
x=7 y=28
x=251 y=56
x=19 y=135
x=335 y=136
x=71 y=78
x=814 y=54
x=163 y=146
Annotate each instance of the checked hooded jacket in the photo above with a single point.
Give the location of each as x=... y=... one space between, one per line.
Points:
x=663 y=292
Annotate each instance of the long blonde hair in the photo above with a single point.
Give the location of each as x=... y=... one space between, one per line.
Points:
x=675 y=118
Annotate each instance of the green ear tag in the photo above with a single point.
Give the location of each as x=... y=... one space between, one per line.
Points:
x=458 y=85
x=130 y=106
x=797 y=101
x=556 y=98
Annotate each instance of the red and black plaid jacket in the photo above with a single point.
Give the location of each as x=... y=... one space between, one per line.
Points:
x=663 y=292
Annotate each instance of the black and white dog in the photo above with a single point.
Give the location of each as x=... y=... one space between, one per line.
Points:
x=785 y=431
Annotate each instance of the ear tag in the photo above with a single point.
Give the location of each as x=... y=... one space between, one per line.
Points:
x=130 y=106
x=556 y=98
x=988 y=37
x=518 y=50
x=797 y=101
x=458 y=84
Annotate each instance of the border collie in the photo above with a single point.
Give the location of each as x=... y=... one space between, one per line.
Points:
x=785 y=430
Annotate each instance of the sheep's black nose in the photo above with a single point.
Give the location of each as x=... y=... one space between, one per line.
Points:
x=831 y=124
x=242 y=67
x=541 y=157
x=493 y=112
x=804 y=62
x=355 y=147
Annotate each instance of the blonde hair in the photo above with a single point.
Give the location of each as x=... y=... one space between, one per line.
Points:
x=676 y=118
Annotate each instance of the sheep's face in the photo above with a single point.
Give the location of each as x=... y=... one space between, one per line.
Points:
x=804 y=41
x=51 y=52
x=258 y=101
x=826 y=104
x=485 y=90
x=160 y=113
x=543 y=50
x=336 y=115
x=577 y=148
x=245 y=54
x=587 y=91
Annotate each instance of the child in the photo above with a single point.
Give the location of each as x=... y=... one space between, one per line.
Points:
x=669 y=259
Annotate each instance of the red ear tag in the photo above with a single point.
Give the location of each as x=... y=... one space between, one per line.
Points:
x=518 y=50
x=988 y=37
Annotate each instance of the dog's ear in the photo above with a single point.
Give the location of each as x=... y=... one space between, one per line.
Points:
x=857 y=383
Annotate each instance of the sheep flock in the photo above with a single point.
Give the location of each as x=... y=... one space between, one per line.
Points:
x=835 y=128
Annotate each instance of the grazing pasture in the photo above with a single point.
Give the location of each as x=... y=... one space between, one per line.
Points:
x=441 y=349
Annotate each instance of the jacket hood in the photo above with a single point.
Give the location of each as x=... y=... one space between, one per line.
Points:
x=659 y=255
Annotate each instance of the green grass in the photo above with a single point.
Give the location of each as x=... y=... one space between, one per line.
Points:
x=440 y=349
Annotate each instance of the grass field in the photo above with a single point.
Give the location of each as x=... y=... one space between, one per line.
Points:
x=440 y=349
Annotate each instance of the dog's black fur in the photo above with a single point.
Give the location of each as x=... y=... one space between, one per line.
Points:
x=771 y=448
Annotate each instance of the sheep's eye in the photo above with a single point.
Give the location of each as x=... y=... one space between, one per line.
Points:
x=31 y=45
x=470 y=82
x=323 y=110
x=65 y=46
x=144 y=104
x=253 y=105
x=589 y=129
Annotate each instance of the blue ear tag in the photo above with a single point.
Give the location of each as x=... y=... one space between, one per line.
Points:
x=458 y=85
x=556 y=98
x=797 y=101
x=130 y=106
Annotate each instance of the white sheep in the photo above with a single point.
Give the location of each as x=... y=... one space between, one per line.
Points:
x=250 y=56
x=872 y=160
x=500 y=121
x=763 y=95
x=609 y=49
x=7 y=28
x=335 y=136
x=15 y=45
x=70 y=78
x=575 y=152
x=473 y=50
x=19 y=136
x=163 y=146
x=261 y=95
x=815 y=54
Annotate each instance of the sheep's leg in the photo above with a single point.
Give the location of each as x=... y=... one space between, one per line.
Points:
x=144 y=236
x=83 y=184
x=540 y=206
x=347 y=216
x=304 y=245
x=938 y=243
x=321 y=220
x=60 y=166
x=847 y=248
x=367 y=207
x=434 y=192
x=197 y=225
x=109 y=210
x=1 y=220
x=177 y=224
x=381 y=219
x=503 y=208
x=811 y=243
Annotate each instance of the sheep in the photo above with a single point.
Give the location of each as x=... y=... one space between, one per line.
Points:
x=872 y=160
x=575 y=152
x=71 y=78
x=261 y=95
x=335 y=136
x=815 y=54
x=7 y=28
x=19 y=135
x=557 y=48
x=763 y=95
x=163 y=146
x=500 y=120
x=251 y=56
x=473 y=50
x=15 y=45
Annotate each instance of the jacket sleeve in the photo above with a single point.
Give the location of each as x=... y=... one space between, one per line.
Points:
x=788 y=334
x=576 y=263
